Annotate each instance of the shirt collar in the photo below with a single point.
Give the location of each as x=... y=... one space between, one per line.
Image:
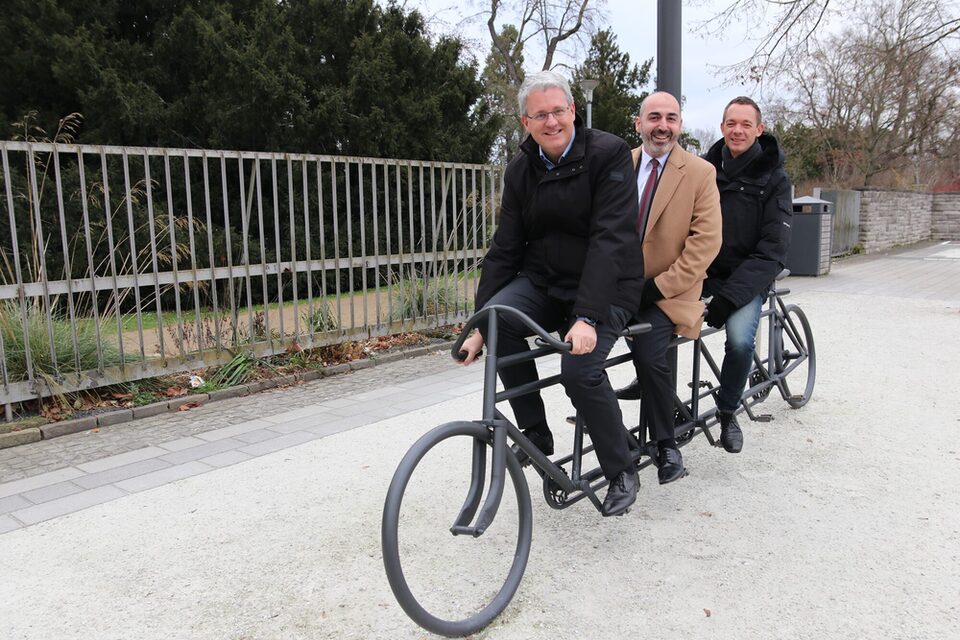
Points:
x=549 y=163
x=645 y=159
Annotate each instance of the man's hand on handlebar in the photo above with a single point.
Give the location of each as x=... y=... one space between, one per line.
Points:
x=471 y=349
x=582 y=336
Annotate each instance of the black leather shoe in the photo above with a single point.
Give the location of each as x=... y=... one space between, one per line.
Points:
x=542 y=441
x=670 y=465
x=630 y=392
x=731 y=437
x=621 y=494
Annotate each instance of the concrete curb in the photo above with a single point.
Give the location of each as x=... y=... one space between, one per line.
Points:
x=24 y=436
x=112 y=418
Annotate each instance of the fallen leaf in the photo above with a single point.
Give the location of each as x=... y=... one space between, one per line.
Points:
x=809 y=440
x=95 y=430
x=707 y=514
x=707 y=612
x=188 y=406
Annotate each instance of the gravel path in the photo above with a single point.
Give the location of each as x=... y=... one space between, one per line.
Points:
x=838 y=520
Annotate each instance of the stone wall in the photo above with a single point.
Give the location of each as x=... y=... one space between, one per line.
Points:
x=890 y=218
x=945 y=221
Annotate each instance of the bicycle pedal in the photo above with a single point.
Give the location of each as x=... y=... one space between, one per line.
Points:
x=766 y=417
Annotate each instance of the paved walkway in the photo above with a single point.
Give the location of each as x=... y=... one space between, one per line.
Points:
x=51 y=478
x=51 y=524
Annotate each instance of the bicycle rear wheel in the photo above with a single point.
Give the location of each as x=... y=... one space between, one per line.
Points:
x=796 y=358
x=437 y=577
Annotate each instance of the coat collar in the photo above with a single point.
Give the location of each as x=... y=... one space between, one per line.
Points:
x=669 y=181
x=760 y=168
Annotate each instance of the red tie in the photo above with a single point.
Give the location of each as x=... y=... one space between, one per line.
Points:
x=647 y=196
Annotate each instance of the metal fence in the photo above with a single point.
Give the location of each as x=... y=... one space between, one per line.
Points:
x=123 y=263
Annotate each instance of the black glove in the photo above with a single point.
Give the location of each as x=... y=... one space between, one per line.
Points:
x=650 y=294
x=718 y=311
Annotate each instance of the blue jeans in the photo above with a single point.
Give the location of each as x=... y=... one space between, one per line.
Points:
x=741 y=329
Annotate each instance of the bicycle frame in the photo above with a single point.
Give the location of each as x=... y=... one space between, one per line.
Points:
x=789 y=344
x=766 y=373
x=500 y=426
x=562 y=489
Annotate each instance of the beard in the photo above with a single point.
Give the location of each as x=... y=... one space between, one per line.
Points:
x=660 y=146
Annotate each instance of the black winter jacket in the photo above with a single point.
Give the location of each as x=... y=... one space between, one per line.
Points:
x=571 y=230
x=757 y=213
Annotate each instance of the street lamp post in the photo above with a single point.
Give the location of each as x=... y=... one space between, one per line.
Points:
x=588 y=85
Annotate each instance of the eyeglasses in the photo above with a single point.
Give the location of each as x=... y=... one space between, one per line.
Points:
x=556 y=113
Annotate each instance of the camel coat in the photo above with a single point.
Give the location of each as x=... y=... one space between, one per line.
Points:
x=683 y=236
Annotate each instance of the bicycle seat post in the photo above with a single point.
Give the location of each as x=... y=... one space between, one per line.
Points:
x=577 y=450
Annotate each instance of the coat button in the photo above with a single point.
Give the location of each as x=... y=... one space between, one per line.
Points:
x=741 y=188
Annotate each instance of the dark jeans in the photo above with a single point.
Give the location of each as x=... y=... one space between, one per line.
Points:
x=582 y=376
x=653 y=372
x=741 y=332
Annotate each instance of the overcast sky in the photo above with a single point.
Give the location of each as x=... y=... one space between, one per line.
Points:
x=634 y=22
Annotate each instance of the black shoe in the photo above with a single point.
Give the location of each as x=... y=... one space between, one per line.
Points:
x=621 y=494
x=731 y=437
x=670 y=465
x=541 y=440
x=630 y=392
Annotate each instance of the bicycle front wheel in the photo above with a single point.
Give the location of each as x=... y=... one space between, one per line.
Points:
x=453 y=585
x=796 y=362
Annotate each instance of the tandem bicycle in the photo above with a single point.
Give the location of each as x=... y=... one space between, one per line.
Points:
x=784 y=359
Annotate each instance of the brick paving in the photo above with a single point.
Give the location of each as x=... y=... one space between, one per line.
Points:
x=26 y=460
x=49 y=478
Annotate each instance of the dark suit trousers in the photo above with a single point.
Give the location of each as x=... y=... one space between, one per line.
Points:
x=583 y=377
x=653 y=372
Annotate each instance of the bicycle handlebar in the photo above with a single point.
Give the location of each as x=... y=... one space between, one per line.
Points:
x=543 y=339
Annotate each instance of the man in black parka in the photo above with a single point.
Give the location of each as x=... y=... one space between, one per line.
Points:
x=757 y=209
x=567 y=253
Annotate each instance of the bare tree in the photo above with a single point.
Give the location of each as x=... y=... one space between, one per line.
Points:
x=786 y=30
x=880 y=99
x=538 y=23
x=529 y=35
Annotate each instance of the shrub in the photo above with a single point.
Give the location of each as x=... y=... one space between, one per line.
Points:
x=414 y=297
x=323 y=318
x=38 y=333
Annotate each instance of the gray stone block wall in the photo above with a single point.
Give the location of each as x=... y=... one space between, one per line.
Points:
x=945 y=219
x=890 y=218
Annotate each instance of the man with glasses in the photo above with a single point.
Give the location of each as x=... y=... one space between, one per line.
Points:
x=566 y=253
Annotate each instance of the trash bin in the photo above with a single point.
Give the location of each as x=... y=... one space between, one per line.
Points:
x=811 y=229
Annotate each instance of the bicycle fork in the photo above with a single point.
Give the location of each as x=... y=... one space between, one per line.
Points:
x=498 y=468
